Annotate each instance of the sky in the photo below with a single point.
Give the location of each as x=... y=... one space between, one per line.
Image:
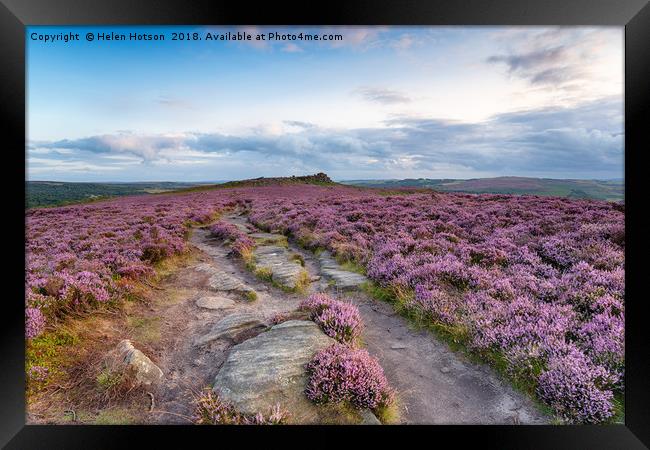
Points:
x=383 y=102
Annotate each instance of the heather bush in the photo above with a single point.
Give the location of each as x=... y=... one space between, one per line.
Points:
x=211 y=410
x=224 y=230
x=240 y=244
x=76 y=255
x=337 y=319
x=34 y=322
x=37 y=374
x=343 y=374
x=435 y=304
x=576 y=388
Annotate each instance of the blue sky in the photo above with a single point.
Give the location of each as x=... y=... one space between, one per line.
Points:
x=385 y=102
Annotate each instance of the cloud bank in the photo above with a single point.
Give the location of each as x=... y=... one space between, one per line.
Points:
x=581 y=142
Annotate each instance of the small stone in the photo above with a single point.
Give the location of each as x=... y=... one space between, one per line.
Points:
x=444 y=369
x=127 y=357
x=398 y=346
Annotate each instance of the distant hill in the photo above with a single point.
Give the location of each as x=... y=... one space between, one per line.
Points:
x=318 y=178
x=611 y=190
x=54 y=193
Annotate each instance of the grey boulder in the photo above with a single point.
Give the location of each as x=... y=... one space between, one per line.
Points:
x=269 y=369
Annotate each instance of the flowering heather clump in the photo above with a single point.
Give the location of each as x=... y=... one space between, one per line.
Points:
x=34 y=322
x=337 y=319
x=202 y=216
x=38 y=374
x=224 y=230
x=576 y=388
x=211 y=410
x=343 y=374
x=435 y=304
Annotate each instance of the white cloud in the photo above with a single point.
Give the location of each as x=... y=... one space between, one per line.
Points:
x=382 y=95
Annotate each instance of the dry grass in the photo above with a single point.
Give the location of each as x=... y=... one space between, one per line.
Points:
x=298 y=258
x=145 y=329
x=249 y=259
x=83 y=382
x=173 y=264
x=264 y=274
x=302 y=283
x=389 y=414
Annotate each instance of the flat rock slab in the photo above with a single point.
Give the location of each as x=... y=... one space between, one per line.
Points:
x=215 y=302
x=223 y=282
x=233 y=327
x=285 y=271
x=269 y=369
x=342 y=279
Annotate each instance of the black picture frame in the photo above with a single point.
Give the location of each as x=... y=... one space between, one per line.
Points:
x=634 y=15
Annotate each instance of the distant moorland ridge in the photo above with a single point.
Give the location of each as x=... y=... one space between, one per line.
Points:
x=611 y=190
x=55 y=193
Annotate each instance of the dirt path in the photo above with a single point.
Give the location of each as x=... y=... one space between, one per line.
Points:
x=434 y=384
x=189 y=368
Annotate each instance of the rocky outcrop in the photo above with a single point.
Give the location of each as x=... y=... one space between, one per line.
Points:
x=234 y=327
x=318 y=178
x=270 y=369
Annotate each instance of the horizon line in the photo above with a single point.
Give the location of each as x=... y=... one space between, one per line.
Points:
x=336 y=180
